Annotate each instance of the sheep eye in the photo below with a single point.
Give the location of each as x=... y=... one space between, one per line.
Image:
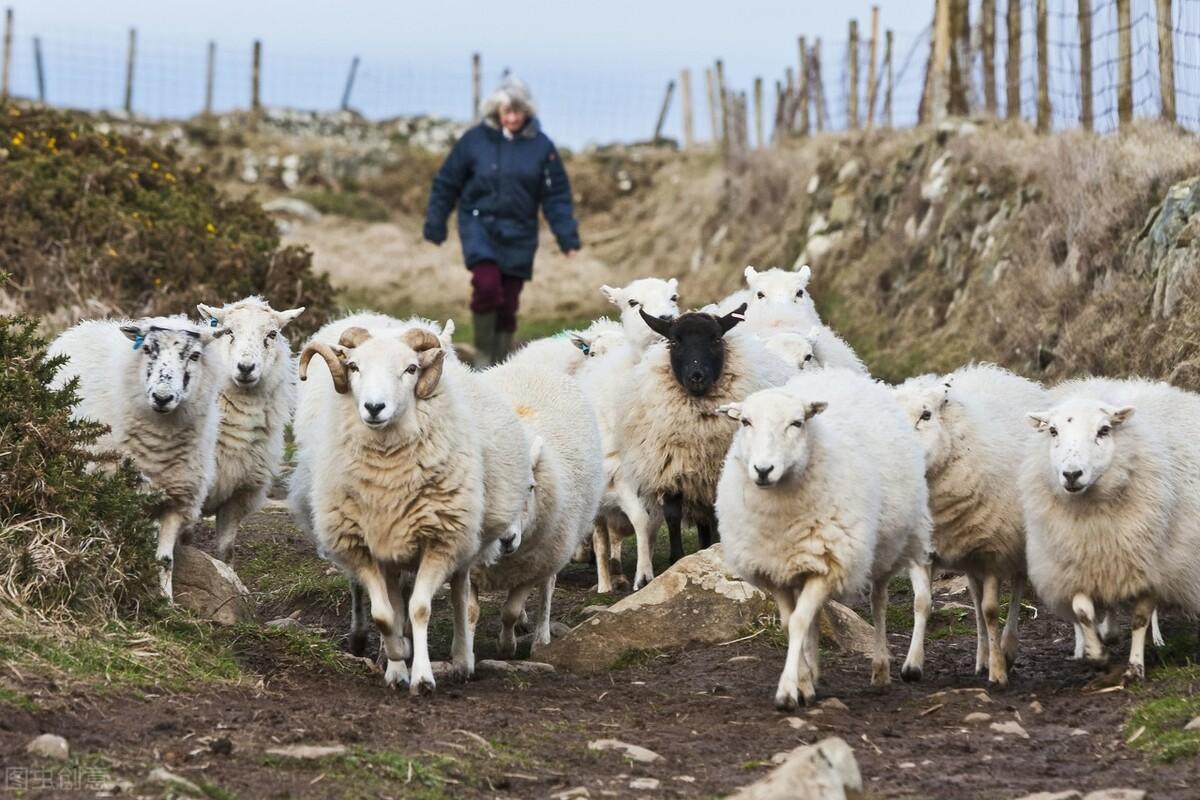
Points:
x=412 y=369
x=351 y=366
x=745 y=422
x=1104 y=431
x=194 y=356
x=1054 y=431
x=926 y=415
x=634 y=304
x=808 y=357
x=272 y=334
x=760 y=295
x=800 y=293
x=798 y=423
x=674 y=298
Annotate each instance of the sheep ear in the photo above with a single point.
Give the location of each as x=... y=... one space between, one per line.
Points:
x=731 y=410
x=751 y=273
x=208 y=312
x=1118 y=416
x=804 y=274
x=446 y=337
x=814 y=408
x=581 y=344
x=674 y=284
x=535 y=451
x=1040 y=420
x=134 y=333
x=284 y=317
x=660 y=326
x=731 y=319
x=613 y=295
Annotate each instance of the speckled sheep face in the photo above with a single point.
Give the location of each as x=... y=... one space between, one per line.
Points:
x=779 y=285
x=248 y=337
x=772 y=443
x=1082 y=436
x=170 y=361
x=923 y=400
x=697 y=346
x=653 y=296
x=794 y=348
x=383 y=373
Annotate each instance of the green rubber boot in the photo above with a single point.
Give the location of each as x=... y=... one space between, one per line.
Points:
x=501 y=346
x=485 y=339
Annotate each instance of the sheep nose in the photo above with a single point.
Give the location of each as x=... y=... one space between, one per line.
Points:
x=506 y=544
x=245 y=369
x=374 y=408
x=763 y=472
x=1072 y=476
x=161 y=400
x=696 y=376
x=666 y=317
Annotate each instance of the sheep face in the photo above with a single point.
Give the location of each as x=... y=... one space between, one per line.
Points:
x=697 y=347
x=170 y=362
x=772 y=444
x=1082 y=435
x=923 y=401
x=528 y=516
x=778 y=285
x=383 y=373
x=652 y=296
x=598 y=341
x=794 y=348
x=248 y=335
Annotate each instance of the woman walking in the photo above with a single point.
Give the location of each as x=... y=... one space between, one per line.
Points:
x=499 y=173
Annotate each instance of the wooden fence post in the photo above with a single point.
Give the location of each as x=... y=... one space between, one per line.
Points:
x=1086 y=108
x=960 y=58
x=685 y=90
x=987 y=29
x=476 y=85
x=872 y=72
x=349 y=84
x=1043 y=68
x=852 y=95
x=1012 y=66
x=887 y=76
x=8 y=32
x=255 y=81
x=662 y=112
x=802 y=87
x=818 y=86
x=130 y=57
x=1166 y=60
x=758 y=112
x=723 y=104
x=1125 y=65
x=39 y=68
x=938 y=88
x=209 y=73
x=711 y=86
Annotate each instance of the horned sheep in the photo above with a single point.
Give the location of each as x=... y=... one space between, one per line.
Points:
x=159 y=398
x=823 y=492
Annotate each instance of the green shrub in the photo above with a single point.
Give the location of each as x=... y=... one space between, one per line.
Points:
x=351 y=205
x=100 y=224
x=73 y=540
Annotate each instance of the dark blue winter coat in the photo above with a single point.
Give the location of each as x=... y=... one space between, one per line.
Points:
x=498 y=184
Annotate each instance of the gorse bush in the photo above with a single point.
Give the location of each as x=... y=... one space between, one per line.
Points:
x=97 y=224
x=74 y=540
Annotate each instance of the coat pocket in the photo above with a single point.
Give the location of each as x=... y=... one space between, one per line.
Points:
x=513 y=231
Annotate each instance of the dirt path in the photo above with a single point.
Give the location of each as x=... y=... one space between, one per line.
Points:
x=707 y=712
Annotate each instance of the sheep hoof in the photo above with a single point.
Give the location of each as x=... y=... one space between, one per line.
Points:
x=1134 y=673
x=641 y=580
x=1097 y=662
x=396 y=676
x=357 y=643
x=786 y=702
x=999 y=682
x=881 y=675
x=911 y=673
x=422 y=687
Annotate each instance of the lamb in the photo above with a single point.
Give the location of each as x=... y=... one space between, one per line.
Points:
x=390 y=480
x=673 y=439
x=794 y=348
x=973 y=445
x=256 y=402
x=776 y=286
x=159 y=400
x=770 y=319
x=568 y=481
x=823 y=491
x=652 y=296
x=1112 y=505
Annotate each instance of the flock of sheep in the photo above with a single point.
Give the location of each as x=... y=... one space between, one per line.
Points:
x=749 y=417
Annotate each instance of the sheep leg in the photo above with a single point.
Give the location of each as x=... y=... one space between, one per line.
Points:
x=1008 y=641
x=383 y=611
x=997 y=668
x=541 y=634
x=1078 y=654
x=881 y=662
x=617 y=531
x=673 y=513
x=1085 y=615
x=430 y=575
x=632 y=507
x=169 y=526
x=462 y=647
x=981 y=640
x=229 y=518
x=601 y=544
x=1109 y=628
x=914 y=664
x=705 y=528
x=812 y=655
x=510 y=612
x=1143 y=610
x=794 y=683
x=357 y=642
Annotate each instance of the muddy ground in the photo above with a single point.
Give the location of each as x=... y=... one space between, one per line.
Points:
x=707 y=712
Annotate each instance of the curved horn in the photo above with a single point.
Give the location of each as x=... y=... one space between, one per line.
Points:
x=431 y=355
x=337 y=370
x=353 y=337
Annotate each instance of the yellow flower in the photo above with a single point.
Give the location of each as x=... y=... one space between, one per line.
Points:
x=51 y=143
x=18 y=139
x=168 y=177
x=210 y=228
x=158 y=281
x=153 y=165
x=73 y=135
x=133 y=176
x=112 y=252
x=136 y=215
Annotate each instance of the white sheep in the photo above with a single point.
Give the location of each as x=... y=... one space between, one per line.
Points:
x=974 y=438
x=158 y=396
x=776 y=286
x=822 y=492
x=1112 y=505
x=256 y=402
x=654 y=296
x=390 y=479
x=568 y=481
x=770 y=319
x=793 y=347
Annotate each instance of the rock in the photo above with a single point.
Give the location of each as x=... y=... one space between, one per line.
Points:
x=307 y=752
x=841 y=211
x=49 y=745
x=631 y=751
x=814 y=183
x=571 y=794
x=822 y=771
x=694 y=603
x=846 y=630
x=210 y=588
x=834 y=703
x=287 y=623
x=818 y=247
x=1036 y=707
x=591 y=611
x=934 y=189
x=559 y=629
x=1013 y=727
x=953 y=585
x=512 y=667
x=849 y=171
x=165 y=776
x=292 y=207
x=1168 y=247
x=685 y=778
x=800 y=724
x=742 y=659
x=1069 y=794
x=976 y=717
x=647 y=784
x=1116 y=794
x=1194 y=725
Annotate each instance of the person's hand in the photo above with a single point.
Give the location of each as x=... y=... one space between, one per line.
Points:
x=570 y=253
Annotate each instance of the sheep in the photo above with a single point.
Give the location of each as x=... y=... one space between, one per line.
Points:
x=769 y=319
x=170 y=432
x=1112 y=505
x=391 y=479
x=568 y=481
x=973 y=444
x=794 y=348
x=256 y=402
x=822 y=492
x=775 y=286
x=673 y=439
x=654 y=296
